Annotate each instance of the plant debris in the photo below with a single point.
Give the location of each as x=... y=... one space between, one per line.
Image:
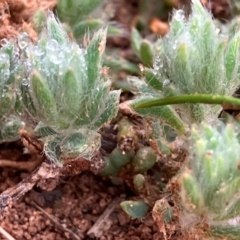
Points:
x=16 y=14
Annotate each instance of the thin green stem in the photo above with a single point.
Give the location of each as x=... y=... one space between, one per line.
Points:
x=183 y=99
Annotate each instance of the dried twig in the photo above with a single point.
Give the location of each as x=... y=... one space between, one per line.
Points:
x=12 y=194
x=23 y=165
x=104 y=223
x=6 y=234
x=57 y=224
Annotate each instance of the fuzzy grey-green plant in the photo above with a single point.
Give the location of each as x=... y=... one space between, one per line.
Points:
x=211 y=180
x=65 y=89
x=194 y=62
x=195 y=58
x=9 y=121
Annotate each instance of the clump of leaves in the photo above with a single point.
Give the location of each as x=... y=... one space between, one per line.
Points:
x=194 y=58
x=211 y=180
x=194 y=63
x=64 y=88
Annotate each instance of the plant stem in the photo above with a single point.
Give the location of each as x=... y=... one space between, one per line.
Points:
x=183 y=99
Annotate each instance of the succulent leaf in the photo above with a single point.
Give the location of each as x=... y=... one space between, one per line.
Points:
x=146 y=53
x=135 y=209
x=136 y=41
x=43 y=98
x=144 y=159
